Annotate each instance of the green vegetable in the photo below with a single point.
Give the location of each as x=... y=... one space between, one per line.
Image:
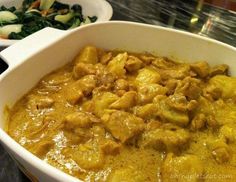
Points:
x=34 y=11
x=46 y=4
x=7 y=17
x=87 y=21
x=30 y=19
x=7 y=29
x=64 y=18
x=76 y=23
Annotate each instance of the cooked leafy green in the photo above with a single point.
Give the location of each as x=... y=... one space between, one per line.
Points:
x=35 y=15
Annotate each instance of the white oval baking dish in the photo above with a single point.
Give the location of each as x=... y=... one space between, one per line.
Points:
x=48 y=49
x=100 y=8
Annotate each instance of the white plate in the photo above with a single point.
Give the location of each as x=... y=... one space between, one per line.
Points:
x=100 y=8
x=54 y=48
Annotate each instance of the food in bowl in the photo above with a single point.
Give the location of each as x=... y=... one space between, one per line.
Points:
x=122 y=116
x=35 y=15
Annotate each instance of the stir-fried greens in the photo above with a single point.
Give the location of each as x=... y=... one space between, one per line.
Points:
x=35 y=15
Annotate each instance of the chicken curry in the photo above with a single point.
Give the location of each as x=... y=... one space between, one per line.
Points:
x=132 y=117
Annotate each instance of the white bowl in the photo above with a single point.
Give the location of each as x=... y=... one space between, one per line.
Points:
x=54 y=48
x=100 y=8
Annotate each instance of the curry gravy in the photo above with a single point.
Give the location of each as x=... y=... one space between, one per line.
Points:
x=118 y=116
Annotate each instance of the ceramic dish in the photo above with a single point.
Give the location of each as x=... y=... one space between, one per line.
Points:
x=27 y=64
x=100 y=8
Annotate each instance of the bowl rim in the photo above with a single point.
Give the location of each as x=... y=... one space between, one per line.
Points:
x=41 y=165
x=107 y=12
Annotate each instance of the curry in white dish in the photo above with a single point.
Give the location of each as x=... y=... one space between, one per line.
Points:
x=132 y=117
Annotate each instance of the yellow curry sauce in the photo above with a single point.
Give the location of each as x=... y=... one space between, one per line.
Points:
x=125 y=117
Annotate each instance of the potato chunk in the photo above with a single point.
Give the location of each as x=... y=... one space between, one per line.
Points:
x=147 y=76
x=186 y=168
x=127 y=101
x=117 y=65
x=103 y=101
x=147 y=111
x=87 y=55
x=146 y=93
x=127 y=174
x=124 y=125
x=88 y=156
x=225 y=84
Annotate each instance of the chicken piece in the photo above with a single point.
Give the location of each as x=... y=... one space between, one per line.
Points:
x=186 y=168
x=212 y=122
x=106 y=58
x=36 y=102
x=221 y=155
x=146 y=93
x=117 y=65
x=103 y=101
x=171 y=85
x=153 y=124
x=212 y=92
x=87 y=83
x=221 y=69
x=121 y=84
x=180 y=103
x=219 y=150
x=127 y=174
x=169 y=114
x=201 y=68
x=147 y=111
x=198 y=122
x=147 y=76
x=169 y=69
x=189 y=87
x=87 y=55
x=228 y=132
x=178 y=73
x=225 y=84
x=167 y=137
x=73 y=94
x=147 y=59
x=82 y=87
x=80 y=120
x=123 y=125
x=164 y=63
x=133 y=64
x=82 y=69
x=110 y=147
x=104 y=77
x=88 y=156
x=125 y=102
